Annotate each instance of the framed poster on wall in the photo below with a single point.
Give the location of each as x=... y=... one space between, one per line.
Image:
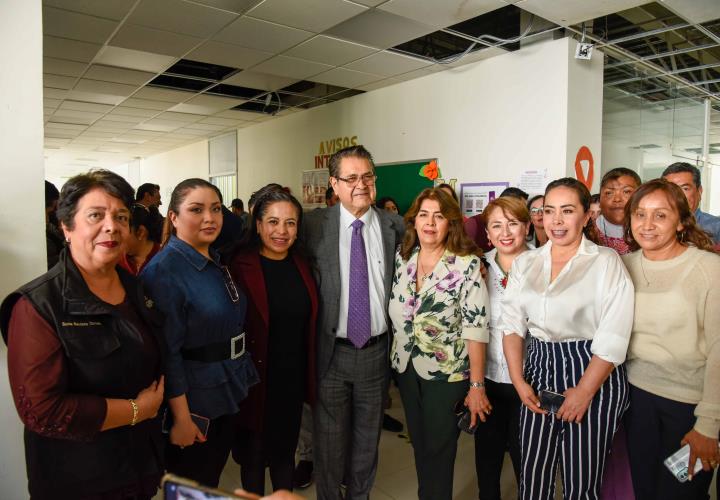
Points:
x=475 y=196
x=314 y=185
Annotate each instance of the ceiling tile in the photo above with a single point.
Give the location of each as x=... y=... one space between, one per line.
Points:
x=237 y=6
x=236 y=114
x=379 y=84
x=205 y=126
x=179 y=16
x=64 y=126
x=134 y=120
x=328 y=50
x=110 y=125
x=134 y=59
x=291 y=67
x=158 y=94
x=262 y=35
x=387 y=64
x=152 y=40
x=697 y=11
x=380 y=29
x=51 y=103
x=73 y=50
x=79 y=117
x=95 y=97
x=66 y=24
x=227 y=122
x=206 y=104
x=260 y=81
x=118 y=75
x=311 y=15
x=147 y=104
x=342 y=77
x=370 y=3
x=98 y=134
x=58 y=82
x=227 y=54
x=192 y=132
x=54 y=93
x=109 y=88
x=180 y=117
x=441 y=14
x=115 y=9
x=566 y=12
x=85 y=106
x=63 y=67
x=159 y=125
x=134 y=112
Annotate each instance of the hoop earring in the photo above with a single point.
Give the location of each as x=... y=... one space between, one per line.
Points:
x=682 y=236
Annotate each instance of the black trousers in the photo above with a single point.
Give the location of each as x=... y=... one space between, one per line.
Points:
x=499 y=433
x=204 y=462
x=655 y=426
x=432 y=424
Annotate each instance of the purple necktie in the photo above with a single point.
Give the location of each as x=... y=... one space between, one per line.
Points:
x=358 y=325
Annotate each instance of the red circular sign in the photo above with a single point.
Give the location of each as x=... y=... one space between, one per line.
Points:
x=584 y=154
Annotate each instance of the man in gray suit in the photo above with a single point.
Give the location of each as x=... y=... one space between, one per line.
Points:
x=353 y=245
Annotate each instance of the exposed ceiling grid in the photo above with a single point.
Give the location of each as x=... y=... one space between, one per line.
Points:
x=115 y=88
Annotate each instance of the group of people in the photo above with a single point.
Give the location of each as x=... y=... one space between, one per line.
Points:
x=544 y=343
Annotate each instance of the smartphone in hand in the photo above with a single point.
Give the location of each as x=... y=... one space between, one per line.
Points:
x=551 y=401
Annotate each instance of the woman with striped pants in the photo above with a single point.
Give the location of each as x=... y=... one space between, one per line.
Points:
x=575 y=300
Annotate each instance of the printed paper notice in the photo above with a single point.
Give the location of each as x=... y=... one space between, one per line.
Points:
x=533 y=181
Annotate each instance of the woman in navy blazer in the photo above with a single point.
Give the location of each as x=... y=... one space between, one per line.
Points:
x=280 y=328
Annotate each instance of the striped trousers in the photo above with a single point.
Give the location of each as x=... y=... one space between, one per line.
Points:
x=580 y=449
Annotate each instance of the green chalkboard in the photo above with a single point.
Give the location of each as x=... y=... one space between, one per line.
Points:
x=401 y=182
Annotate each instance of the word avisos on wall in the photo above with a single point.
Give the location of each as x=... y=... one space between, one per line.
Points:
x=327 y=148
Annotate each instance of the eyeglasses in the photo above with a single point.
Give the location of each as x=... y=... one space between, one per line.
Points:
x=352 y=181
x=536 y=211
x=230 y=284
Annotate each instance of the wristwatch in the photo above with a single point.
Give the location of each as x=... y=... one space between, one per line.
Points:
x=477 y=385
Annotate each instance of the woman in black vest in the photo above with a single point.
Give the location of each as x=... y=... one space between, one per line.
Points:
x=83 y=357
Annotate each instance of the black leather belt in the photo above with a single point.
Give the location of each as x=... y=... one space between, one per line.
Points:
x=218 y=351
x=372 y=341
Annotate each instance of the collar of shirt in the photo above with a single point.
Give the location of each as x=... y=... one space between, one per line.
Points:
x=346 y=218
x=586 y=247
x=195 y=258
x=608 y=228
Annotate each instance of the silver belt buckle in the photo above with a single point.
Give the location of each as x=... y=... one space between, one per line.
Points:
x=235 y=353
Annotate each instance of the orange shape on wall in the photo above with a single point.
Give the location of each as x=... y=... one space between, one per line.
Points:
x=584 y=154
x=431 y=170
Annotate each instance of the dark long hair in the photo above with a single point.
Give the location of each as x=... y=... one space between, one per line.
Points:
x=585 y=198
x=178 y=196
x=457 y=242
x=691 y=233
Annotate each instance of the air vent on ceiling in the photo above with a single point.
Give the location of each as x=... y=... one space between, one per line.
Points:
x=197 y=69
x=236 y=91
x=503 y=23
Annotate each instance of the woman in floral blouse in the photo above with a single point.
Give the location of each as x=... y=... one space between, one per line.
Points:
x=438 y=312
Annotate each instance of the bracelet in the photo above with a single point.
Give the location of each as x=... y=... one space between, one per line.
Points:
x=477 y=385
x=135 y=411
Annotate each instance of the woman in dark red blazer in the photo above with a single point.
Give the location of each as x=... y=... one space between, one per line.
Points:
x=280 y=332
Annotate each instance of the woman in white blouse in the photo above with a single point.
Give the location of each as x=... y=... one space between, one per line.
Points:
x=507 y=224
x=575 y=300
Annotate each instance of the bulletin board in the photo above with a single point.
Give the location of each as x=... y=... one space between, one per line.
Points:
x=401 y=182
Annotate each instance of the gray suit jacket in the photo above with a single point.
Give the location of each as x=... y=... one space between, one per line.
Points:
x=321 y=237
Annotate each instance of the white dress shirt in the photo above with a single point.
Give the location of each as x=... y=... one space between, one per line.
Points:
x=372 y=236
x=592 y=298
x=496 y=368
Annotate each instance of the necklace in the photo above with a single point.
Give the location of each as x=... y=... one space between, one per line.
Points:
x=424 y=276
x=642 y=268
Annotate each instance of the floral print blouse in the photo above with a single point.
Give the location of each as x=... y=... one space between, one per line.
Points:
x=430 y=326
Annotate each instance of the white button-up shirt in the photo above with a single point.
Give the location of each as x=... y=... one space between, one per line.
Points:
x=496 y=368
x=372 y=236
x=592 y=298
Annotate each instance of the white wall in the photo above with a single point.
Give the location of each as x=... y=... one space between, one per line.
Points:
x=169 y=169
x=22 y=249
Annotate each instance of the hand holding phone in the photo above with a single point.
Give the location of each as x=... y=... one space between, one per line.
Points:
x=551 y=401
x=179 y=488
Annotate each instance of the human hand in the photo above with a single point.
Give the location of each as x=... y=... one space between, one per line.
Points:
x=478 y=404
x=184 y=433
x=702 y=447
x=529 y=398
x=576 y=403
x=149 y=399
